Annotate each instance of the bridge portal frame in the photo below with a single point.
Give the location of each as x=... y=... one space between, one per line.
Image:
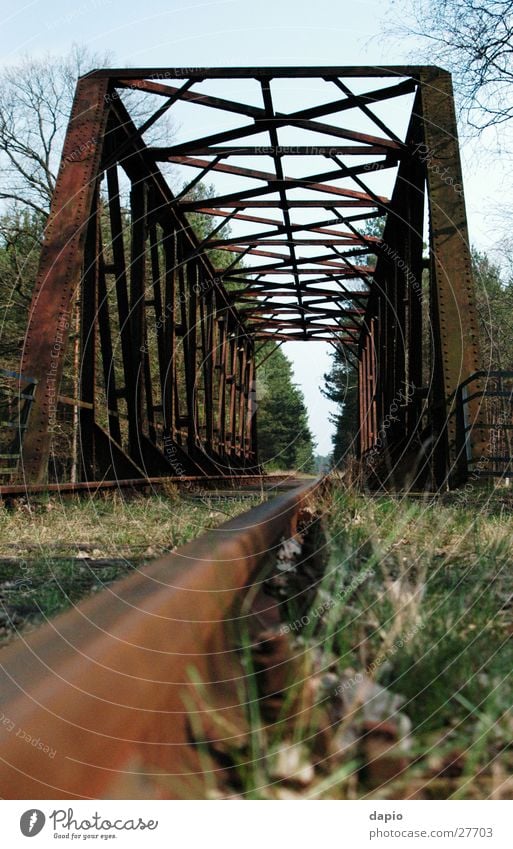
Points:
x=188 y=299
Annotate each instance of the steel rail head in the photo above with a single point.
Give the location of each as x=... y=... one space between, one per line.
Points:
x=103 y=698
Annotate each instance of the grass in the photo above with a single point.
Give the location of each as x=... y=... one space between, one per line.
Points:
x=409 y=659
x=55 y=553
x=432 y=624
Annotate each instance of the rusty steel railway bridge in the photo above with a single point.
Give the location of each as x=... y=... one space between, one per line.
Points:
x=352 y=232
x=142 y=344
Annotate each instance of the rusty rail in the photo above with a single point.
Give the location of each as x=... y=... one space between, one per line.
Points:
x=18 y=490
x=117 y=697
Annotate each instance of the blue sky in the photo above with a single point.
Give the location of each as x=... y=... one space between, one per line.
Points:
x=176 y=32
x=241 y=32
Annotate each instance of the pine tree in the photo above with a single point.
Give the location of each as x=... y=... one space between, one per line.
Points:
x=21 y=234
x=342 y=388
x=284 y=438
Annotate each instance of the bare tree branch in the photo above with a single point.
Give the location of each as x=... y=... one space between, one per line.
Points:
x=35 y=102
x=474 y=40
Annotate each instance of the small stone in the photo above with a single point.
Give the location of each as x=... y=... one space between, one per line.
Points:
x=293 y=765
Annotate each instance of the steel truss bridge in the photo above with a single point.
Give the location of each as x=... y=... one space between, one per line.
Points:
x=351 y=231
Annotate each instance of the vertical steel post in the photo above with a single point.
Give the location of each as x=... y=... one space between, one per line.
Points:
x=457 y=350
x=88 y=339
x=60 y=269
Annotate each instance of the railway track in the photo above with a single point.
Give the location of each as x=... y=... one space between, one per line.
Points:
x=187 y=483
x=127 y=694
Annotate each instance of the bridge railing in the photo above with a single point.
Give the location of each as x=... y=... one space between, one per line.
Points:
x=486 y=444
x=17 y=393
